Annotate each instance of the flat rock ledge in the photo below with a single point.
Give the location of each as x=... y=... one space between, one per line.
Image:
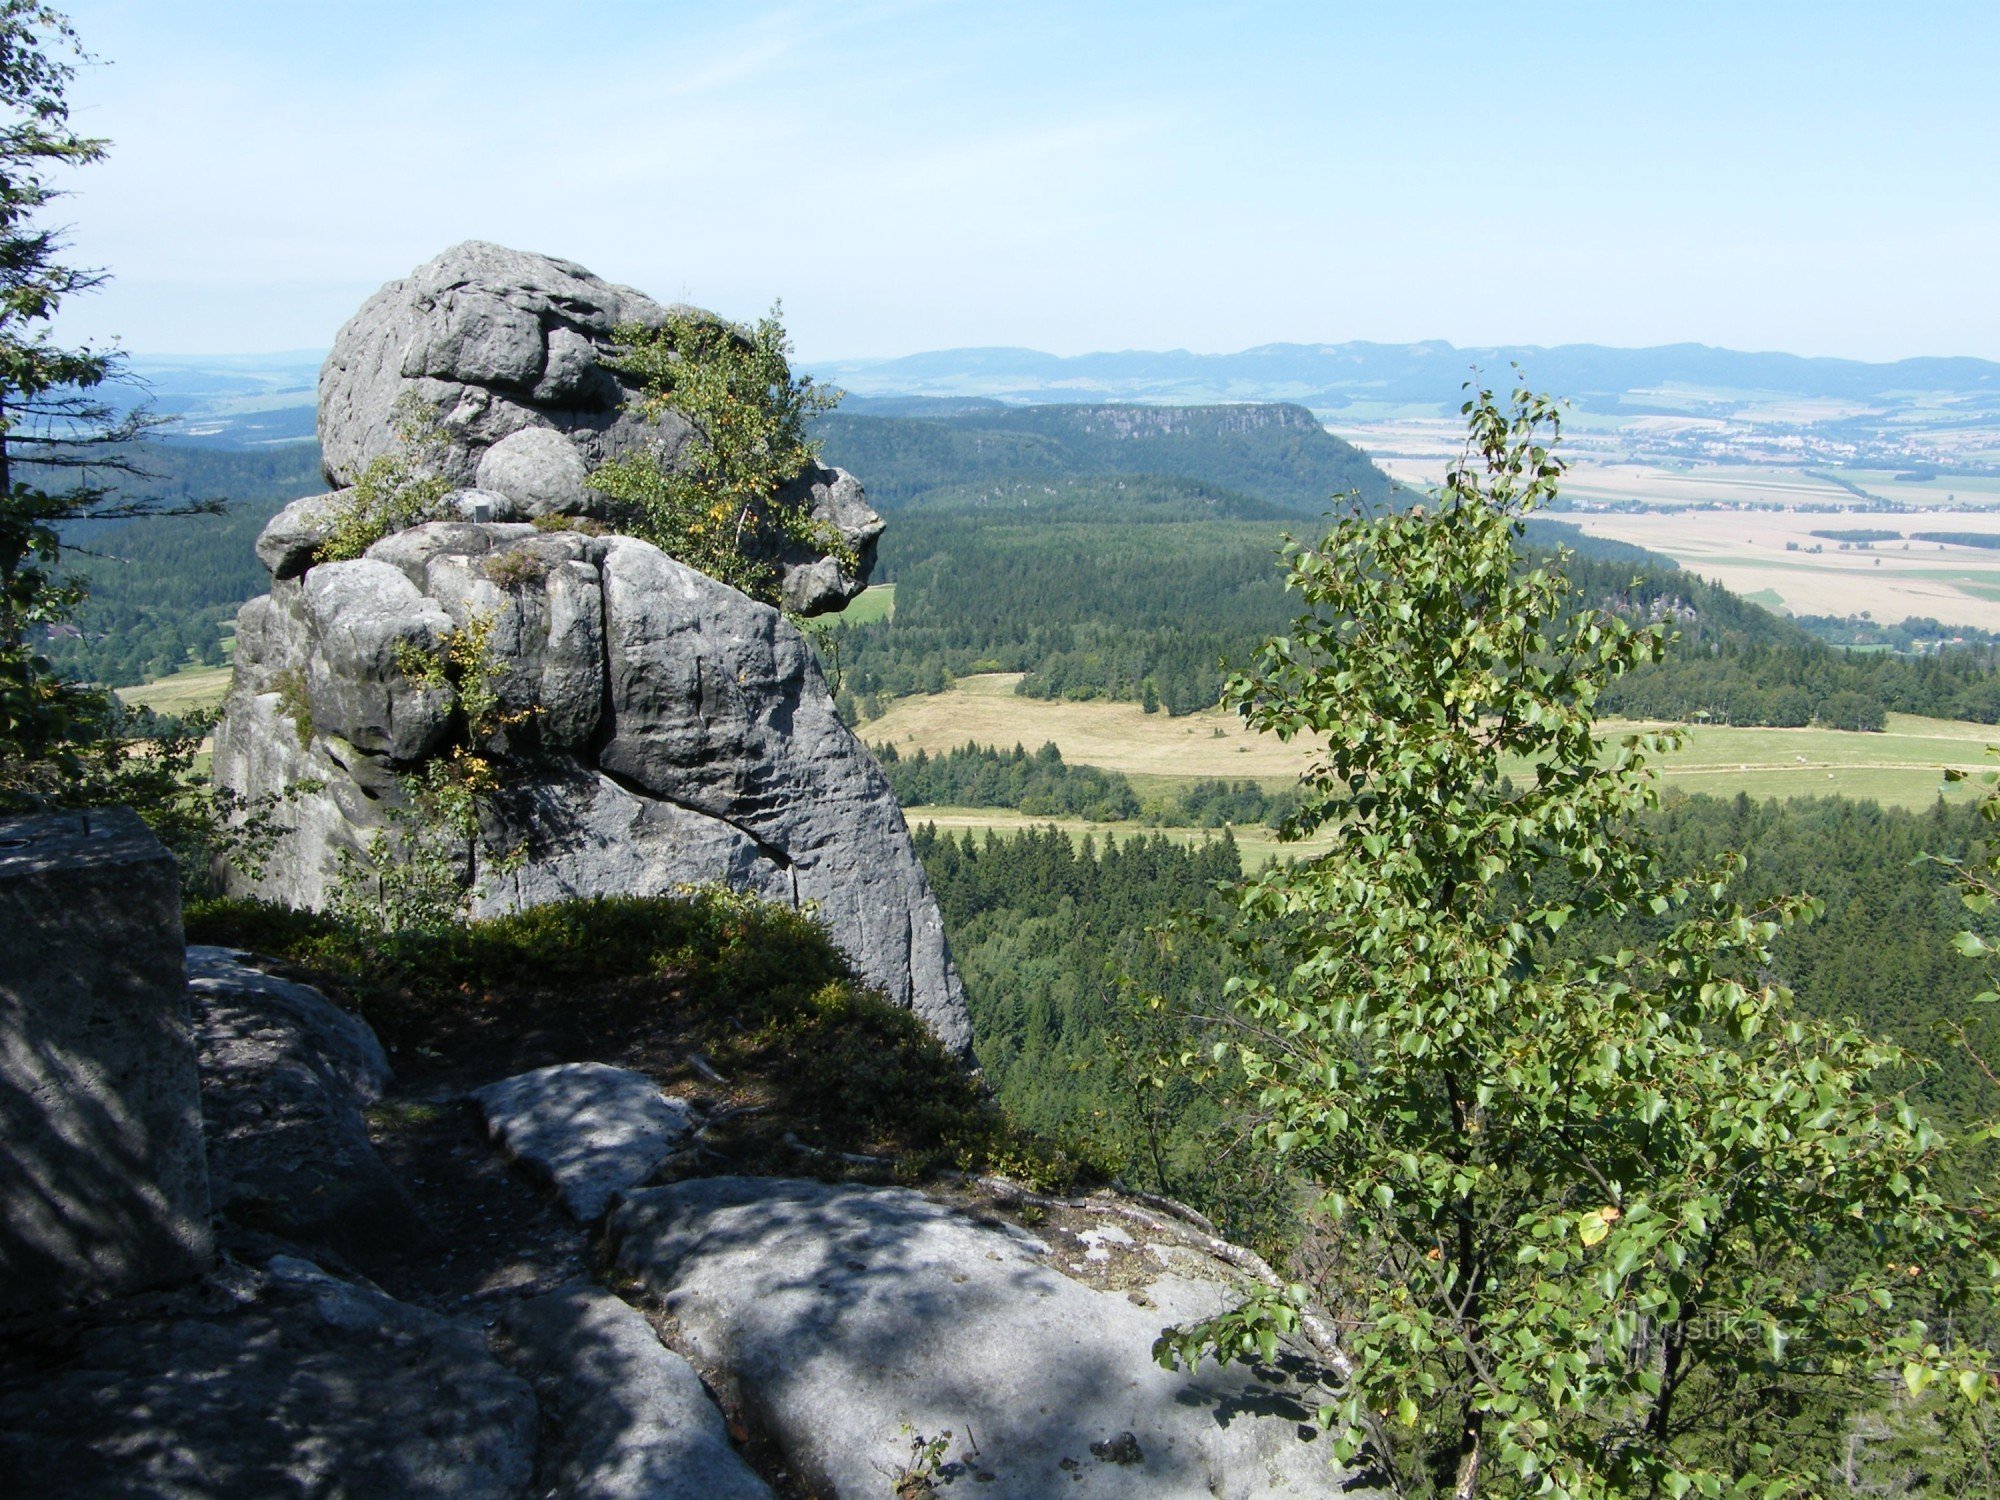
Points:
x=288 y=1382
x=588 y=1129
x=633 y=1420
x=844 y=1321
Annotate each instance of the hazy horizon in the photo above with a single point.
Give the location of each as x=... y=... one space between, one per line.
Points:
x=911 y=176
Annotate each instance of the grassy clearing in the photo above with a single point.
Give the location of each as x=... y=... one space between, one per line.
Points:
x=184 y=692
x=877 y=603
x=1114 y=736
x=1898 y=768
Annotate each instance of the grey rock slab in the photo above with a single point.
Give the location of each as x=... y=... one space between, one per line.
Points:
x=362 y=614
x=589 y=1129
x=631 y=1417
x=289 y=1383
x=289 y=540
x=103 y=1185
x=846 y=1318
x=541 y=473
x=285 y=1077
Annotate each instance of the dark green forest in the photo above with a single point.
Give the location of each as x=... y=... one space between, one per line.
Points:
x=1053 y=941
x=1044 y=785
x=162 y=590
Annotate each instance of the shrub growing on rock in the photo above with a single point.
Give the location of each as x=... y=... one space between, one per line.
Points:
x=1598 y=1224
x=717 y=505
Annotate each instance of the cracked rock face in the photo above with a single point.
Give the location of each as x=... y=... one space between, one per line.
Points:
x=844 y=1319
x=667 y=729
x=680 y=732
x=508 y=348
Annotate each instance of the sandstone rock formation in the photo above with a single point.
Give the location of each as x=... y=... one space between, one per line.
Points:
x=285 y=1077
x=103 y=1184
x=590 y=1129
x=506 y=347
x=846 y=1318
x=674 y=730
x=285 y=1382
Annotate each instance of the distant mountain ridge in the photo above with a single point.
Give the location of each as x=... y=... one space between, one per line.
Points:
x=1274 y=452
x=1332 y=376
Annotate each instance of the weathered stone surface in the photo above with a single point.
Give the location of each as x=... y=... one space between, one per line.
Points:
x=846 y=1317
x=540 y=472
x=103 y=1187
x=496 y=341
x=663 y=727
x=361 y=614
x=507 y=348
x=289 y=539
x=590 y=1129
x=285 y=1076
x=818 y=583
x=680 y=732
x=297 y=1384
x=633 y=1420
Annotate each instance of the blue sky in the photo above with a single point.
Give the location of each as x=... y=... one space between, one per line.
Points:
x=1819 y=178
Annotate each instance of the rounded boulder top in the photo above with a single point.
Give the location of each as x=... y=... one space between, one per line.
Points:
x=495 y=341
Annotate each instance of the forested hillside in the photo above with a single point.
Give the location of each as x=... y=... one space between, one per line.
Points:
x=162 y=590
x=1278 y=453
x=1046 y=932
x=1096 y=592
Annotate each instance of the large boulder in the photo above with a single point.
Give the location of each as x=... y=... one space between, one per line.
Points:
x=847 y=1322
x=669 y=730
x=507 y=348
x=495 y=341
x=285 y=1078
x=660 y=728
x=283 y=1383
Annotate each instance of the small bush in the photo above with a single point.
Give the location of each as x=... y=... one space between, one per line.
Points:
x=396 y=491
x=516 y=569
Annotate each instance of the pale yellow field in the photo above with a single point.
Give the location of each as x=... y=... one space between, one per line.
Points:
x=1115 y=736
x=197 y=687
x=1899 y=768
x=1745 y=551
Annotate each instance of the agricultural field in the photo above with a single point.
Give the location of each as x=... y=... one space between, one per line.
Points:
x=184 y=692
x=1899 y=768
x=1768 y=557
x=877 y=603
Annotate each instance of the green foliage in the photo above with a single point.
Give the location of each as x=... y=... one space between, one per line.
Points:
x=1575 y=1209
x=1044 y=785
x=1217 y=457
x=164 y=591
x=397 y=490
x=53 y=423
x=717 y=504
x=759 y=987
x=416 y=875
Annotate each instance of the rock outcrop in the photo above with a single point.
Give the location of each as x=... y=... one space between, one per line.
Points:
x=103 y=1184
x=508 y=349
x=589 y=1129
x=285 y=1078
x=846 y=1319
x=280 y=1382
x=668 y=728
